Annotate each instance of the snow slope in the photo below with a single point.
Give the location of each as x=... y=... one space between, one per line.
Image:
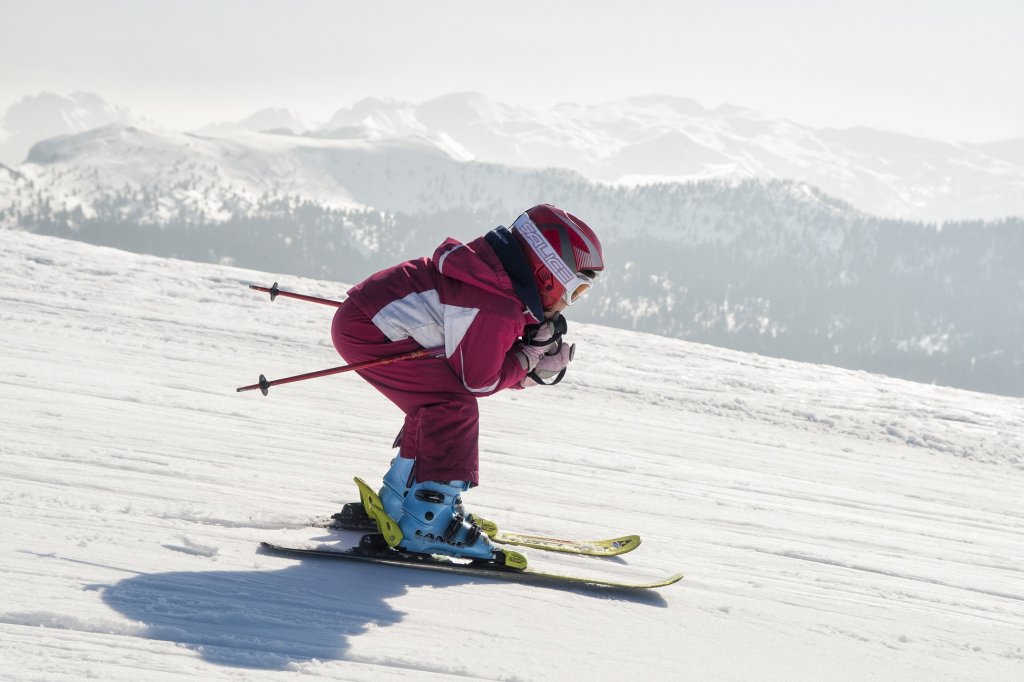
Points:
x=832 y=525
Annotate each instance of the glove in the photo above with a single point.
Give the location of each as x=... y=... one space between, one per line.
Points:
x=544 y=335
x=529 y=356
x=548 y=367
x=540 y=341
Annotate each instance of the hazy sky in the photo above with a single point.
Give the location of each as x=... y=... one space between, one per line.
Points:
x=937 y=68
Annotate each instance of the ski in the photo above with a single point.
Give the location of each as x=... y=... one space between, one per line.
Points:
x=352 y=517
x=373 y=549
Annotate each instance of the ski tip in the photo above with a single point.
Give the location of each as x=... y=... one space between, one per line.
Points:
x=671 y=580
x=626 y=543
x=654 y=584
x=601 y=583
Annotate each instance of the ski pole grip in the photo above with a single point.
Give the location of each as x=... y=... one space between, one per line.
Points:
x=560 y=327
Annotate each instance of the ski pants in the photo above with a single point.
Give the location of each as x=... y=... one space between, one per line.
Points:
x=441 y=429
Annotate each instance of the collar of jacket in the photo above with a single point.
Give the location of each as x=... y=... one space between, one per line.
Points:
x=518 y=269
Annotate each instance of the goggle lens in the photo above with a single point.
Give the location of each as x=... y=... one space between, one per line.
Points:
x=583 y=284
x=579 y=291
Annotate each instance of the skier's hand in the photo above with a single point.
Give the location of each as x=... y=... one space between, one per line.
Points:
x=529 y=356
x=544 y=336
x=548 y=367
x=546 y=333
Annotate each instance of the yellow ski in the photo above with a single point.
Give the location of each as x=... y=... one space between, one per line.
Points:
x=390 y=556
x=353 y=516
x=610 y=547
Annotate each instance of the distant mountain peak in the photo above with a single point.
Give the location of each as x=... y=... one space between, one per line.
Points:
x=680 y=104
x=266 y=119
x=48 y=114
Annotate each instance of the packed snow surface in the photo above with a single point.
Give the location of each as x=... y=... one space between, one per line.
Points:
x=831 y=524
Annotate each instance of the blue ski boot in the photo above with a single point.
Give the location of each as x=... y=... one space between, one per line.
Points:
x=397 y=481
x=433 y=522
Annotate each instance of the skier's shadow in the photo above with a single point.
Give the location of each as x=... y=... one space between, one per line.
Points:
x=272 y=619
x=267 y=619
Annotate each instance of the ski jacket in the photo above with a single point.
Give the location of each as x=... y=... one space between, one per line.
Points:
x=468 y=299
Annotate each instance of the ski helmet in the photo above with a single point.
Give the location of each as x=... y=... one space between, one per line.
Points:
x=563 y=252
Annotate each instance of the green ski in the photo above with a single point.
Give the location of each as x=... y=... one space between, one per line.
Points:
x=353 y=517
x=373 y=549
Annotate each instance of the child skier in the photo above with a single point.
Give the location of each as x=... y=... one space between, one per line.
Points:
x=476 y=301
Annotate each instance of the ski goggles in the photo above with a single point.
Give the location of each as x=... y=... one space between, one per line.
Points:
x=581 y=286
x=574 y=284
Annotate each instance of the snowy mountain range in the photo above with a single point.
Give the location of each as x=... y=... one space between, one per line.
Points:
x=661 y=138
x=772 y=266
x=830 y=524
x=639 y=140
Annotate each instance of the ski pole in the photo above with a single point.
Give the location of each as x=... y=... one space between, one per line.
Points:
x=264 y=385
x=275 y=292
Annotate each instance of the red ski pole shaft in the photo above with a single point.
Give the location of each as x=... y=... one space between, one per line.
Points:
x=264 y=384
x=275 y=292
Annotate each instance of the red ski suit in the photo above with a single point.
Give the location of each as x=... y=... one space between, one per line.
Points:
x=462 y=299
